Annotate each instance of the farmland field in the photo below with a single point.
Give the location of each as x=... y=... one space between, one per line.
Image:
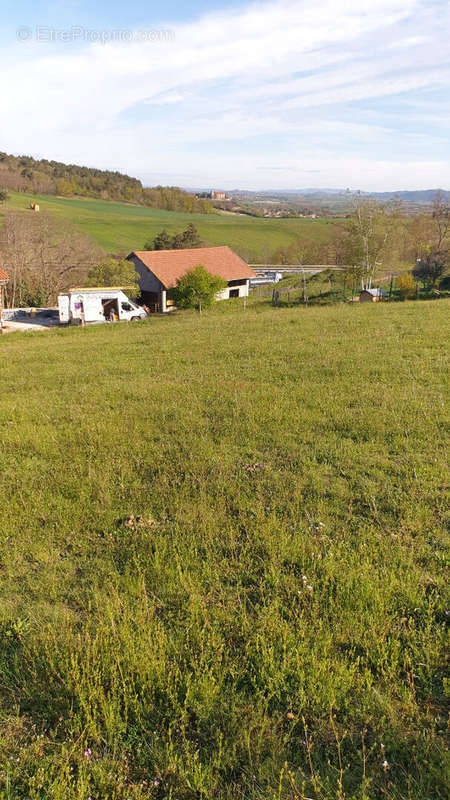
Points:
x=121 y=227
x=223 y=556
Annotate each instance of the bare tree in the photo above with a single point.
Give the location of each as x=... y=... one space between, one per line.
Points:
x=372 y=231
x=441 y=219
x=433 y=244
x=43 y=256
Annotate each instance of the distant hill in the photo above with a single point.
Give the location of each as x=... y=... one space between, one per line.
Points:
x=419 y=196
x=331 y=202
x=424 y=196
x=40 y=176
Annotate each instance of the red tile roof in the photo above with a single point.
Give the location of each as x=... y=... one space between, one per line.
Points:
x=170 y=265
x=3 y=276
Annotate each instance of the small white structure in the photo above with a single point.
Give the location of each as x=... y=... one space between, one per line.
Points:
x=269 y=276
x=372 y=295
x=97 y=304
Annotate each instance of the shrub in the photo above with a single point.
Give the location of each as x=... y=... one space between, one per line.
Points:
x=406 y=285
x=197 y=289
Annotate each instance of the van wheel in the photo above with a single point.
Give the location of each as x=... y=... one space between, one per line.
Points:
x=135 y=319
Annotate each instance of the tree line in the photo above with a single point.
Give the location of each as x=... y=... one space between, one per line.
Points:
x=41 y=176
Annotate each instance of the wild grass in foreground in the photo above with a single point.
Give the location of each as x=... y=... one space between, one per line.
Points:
x=223 y=553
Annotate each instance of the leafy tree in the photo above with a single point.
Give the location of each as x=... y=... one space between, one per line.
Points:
x=113 y=272
x=431 y=267
x=191 y=237
x=3 y=195
x=197 y=288
x=184 y=240
x=178 y=242
x=406 y=285
x=161 y=242
x=188 y=239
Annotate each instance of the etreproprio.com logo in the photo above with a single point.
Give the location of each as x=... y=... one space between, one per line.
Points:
x=77 y=33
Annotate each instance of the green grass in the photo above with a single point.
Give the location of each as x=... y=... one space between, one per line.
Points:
x=121 y=227
x=183 y=656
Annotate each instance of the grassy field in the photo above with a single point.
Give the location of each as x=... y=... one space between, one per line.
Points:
x=120 y=227
x=223 y=556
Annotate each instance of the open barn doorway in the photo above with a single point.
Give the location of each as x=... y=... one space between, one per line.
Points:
x=151 y=301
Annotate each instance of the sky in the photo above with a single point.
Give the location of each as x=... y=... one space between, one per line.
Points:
x=283 y=94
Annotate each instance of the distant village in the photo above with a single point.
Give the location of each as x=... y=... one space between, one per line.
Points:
x=269 y=209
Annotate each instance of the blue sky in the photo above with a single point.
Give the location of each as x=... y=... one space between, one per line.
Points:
x=283 y=94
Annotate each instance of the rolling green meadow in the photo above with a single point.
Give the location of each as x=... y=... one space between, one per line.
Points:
x=122 y=227
x=223 y=552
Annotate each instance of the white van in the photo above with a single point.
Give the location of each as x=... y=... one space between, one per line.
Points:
x=100 y=304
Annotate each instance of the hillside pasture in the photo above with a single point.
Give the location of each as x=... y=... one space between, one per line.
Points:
x=121 y=227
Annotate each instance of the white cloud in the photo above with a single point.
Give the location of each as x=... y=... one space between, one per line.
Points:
x=281 y=74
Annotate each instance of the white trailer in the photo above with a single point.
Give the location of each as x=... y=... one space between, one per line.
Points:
x=99 y=304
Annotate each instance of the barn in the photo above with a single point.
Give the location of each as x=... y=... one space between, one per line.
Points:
x=159 y=271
